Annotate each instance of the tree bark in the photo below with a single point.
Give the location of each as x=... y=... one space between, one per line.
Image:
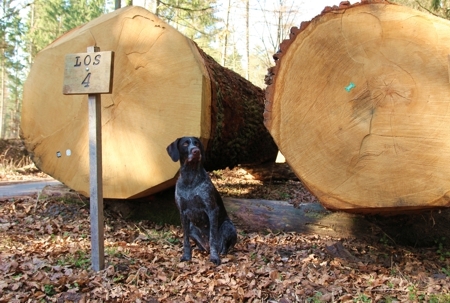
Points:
x=164 y=87
x=238 y=132
x=358 y=104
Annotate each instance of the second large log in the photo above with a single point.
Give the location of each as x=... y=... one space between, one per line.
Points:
x=358 y=103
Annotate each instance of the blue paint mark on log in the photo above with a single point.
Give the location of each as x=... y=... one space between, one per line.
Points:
x=350 y=87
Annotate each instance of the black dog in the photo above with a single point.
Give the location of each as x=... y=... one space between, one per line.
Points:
x=203 y=215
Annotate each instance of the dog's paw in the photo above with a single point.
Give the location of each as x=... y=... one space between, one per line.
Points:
x=185 y=258
x=215 y=260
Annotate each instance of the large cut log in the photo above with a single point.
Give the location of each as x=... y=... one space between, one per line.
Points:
x=164 y=87
x=358 y=103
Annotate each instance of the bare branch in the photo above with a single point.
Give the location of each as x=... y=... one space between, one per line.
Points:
x=186 y=8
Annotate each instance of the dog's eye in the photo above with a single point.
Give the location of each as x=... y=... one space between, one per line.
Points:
x=186 y=143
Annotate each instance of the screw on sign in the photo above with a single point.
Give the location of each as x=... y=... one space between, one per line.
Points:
x=90 y=73
x=87 y=60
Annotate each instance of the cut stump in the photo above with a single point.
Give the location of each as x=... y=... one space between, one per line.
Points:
x=358 y=103
x=164 y=87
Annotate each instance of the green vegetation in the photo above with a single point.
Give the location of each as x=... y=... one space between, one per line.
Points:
x=315 y=298
x=79 y=259
x=49 y=289
x=442 y=251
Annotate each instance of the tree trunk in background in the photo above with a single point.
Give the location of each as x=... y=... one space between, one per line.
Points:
x=3 y=98
x=358 y=104
x=164 y=87
x=247 y=36
x=3 y=83
x=225 y=39
x=157 y=3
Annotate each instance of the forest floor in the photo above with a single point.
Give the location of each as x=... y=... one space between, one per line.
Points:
x=45 y=255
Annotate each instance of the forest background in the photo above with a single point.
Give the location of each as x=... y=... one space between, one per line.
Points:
x=239 y=34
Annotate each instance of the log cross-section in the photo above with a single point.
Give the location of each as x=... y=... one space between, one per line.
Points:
x=164 y=87
x=359 y=104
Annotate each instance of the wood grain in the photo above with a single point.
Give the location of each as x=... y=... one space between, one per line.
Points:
x=359 y=106
x=163 y=88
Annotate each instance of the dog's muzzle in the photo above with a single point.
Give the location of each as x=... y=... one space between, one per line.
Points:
x=195 y=154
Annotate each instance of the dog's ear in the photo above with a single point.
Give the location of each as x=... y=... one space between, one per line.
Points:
x=172 y=150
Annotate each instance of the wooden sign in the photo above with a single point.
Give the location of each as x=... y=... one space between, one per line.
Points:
x=88 y=73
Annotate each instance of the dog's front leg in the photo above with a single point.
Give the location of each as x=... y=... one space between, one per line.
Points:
x=187 y=250
x=214 y=236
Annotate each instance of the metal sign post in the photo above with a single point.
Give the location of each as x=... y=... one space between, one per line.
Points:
x=90 y=73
